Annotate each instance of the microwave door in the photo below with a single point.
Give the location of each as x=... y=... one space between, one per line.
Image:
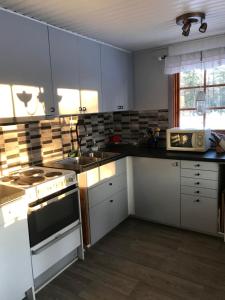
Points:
x=182 y=140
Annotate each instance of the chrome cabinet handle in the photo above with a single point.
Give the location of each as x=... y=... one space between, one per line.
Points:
x=84 y=108
x=52 y=109
x=80 y=108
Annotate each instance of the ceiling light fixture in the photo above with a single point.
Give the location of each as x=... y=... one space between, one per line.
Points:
x=187 y=20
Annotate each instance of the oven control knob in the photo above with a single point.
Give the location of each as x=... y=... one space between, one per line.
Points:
x=70 y=179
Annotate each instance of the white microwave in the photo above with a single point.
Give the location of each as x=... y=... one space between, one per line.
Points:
x=196 y=140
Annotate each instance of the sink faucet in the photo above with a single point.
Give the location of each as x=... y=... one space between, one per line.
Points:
x=80 y=123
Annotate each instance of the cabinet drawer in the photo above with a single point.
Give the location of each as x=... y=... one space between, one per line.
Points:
x=113 y=168
x=102 y=191
x=199 y=165
x=211 y=175
x=14 y=210
x=108 y=214
x=203 y=183
x=102 y=219
x=196 y=191
x=199 y=213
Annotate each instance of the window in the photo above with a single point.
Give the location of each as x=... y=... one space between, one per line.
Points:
x=188 y=84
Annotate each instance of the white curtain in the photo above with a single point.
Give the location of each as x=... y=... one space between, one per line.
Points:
x=213 y=58
x=181 y=63
x=205 y=53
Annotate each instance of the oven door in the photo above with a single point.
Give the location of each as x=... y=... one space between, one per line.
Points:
x=53 y=213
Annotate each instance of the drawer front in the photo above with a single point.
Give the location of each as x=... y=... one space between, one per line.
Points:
x=199 y=213
x=112 y=169
x=102 y=191
x=203 y=183
x=108 y=214
x=210 y=175
x=196 y=191
x=102 y=219
x=199 y=165
x=14 y=210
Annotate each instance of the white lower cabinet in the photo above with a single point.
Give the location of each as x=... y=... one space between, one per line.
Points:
x=199 y=196
x=157 y=189
x=199 y=213
x=179 y=193
x=107 y=199
x=108 y=214
x=15 y=259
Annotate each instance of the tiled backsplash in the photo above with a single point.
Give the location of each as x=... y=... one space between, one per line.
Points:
x=27 y=144
x=132 y=125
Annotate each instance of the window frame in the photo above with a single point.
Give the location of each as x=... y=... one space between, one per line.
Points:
x=176 y=98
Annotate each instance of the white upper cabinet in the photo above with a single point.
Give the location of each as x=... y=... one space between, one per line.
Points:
x=65 y=71
x=76 y=73
x=89 y=75
x=116 y=77
x=25 y=74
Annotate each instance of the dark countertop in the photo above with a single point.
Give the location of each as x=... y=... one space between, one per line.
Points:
x=139 y=151
x=9 y=193
x=70 y=165
x=143 y=151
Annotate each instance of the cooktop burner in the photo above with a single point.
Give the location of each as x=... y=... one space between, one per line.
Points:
x=52 y=174
x=29 y=180
x=9 y=178
x=32 y=172
x=32 y=177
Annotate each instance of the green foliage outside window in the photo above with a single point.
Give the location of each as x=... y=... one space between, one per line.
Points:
x=212 y=82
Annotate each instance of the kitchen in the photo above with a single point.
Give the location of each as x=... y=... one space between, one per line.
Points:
x=99 y=198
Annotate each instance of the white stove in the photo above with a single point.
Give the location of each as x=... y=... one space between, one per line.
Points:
x=39 y=182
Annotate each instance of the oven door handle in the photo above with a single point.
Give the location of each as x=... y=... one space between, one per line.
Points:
x=56 y=238
x=55 y=199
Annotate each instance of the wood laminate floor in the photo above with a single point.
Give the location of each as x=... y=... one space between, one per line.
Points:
x=139 y=260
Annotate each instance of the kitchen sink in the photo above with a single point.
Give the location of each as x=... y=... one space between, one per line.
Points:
x=83 y=161
x=102 y=155
x=87 y=160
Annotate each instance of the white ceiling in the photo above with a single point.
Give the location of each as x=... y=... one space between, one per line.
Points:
x=129 y=24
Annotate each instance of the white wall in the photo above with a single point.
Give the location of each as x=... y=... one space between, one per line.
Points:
x=151 y=88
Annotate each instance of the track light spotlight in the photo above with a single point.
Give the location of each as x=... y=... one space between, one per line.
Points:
x=189 y=19
x=186 y=28
x=186 y=33
x=203 y=27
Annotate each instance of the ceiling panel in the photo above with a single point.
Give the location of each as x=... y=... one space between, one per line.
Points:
x=129 y=24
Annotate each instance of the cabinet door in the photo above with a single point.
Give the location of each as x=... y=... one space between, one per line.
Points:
x=15 y=261
x=199 y=213
x=25 y=74
x=90 y=75
x=114 y=64
x=65 y=71
x=157 y=190
x=102 y=219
